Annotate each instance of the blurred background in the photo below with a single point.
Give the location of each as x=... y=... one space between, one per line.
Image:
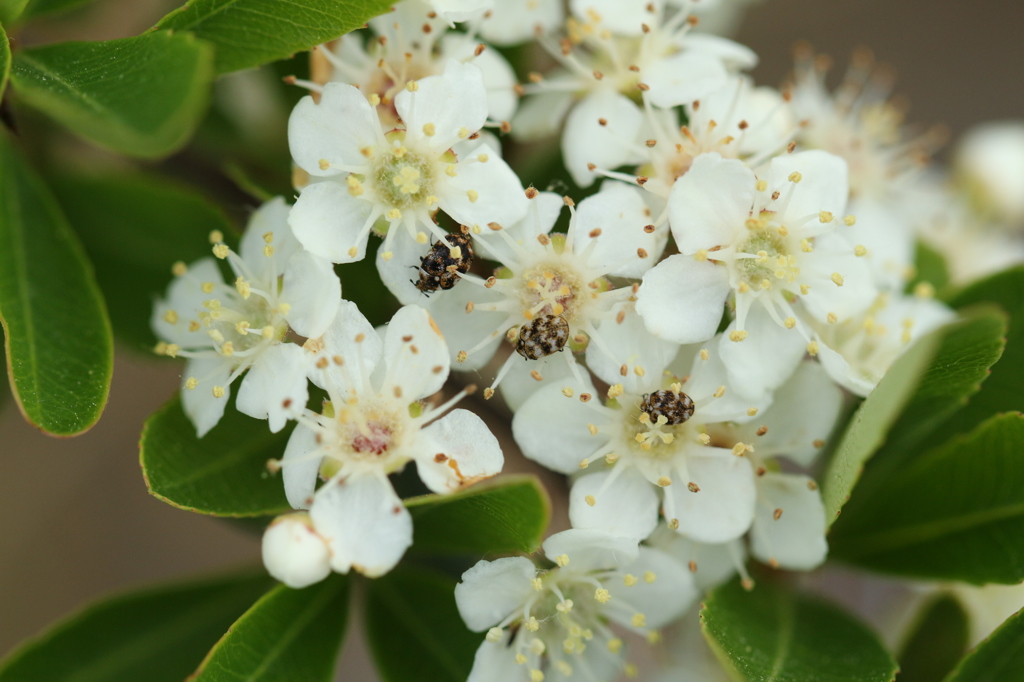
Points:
x=75 y=519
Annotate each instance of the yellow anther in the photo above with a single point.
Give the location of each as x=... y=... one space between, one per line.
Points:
x=450 y=170
x=739 y=449
x=812 y=348
x=429 y=129
x=590 y=500
x=701 y=255
x=638 y=620
x=592 y=428
x=412 y=86
x=324 y=164
x=421 y=238
x=664 y=481
x=216 y=237
x=171 y=317
x=352 y=252
x=789 y=322
x=751 y=411
x=567 y=392
x=473 y=195
x=805 y=246
x=719 y=392
x=221 y=251
x=850 y=220
x=218 y=391
x=564 y=606
x=536 y=675
x=267 y=332
x=831 y=317
x=463 y=133
x=482 y=158
x=704 y=438
x=537 y=584
x=242 y=327
x=227 y=349
x=924 y=290
x=860 y=250
x=243 y=287
x=629 y=580
x=562 y=560
x=394 y=214
x=172 y=349
x=179 y=269
x=602 y=595
x=520 y=659
x=795 y=176
x=837 y=278
x=804 y=289
x=268 y=250
x=614 y=645
x=825 y=217
x=494 y=635
x=374 y=99
x=738 y=335
x=191 y=383
x=762 y=185
x=533 y=624
x=630 y=670
x=650 y=577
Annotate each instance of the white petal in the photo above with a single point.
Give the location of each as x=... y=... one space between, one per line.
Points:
x=833 y=255
x=628 y=507
x=185 y=297
x=204 y=410
x=710 y=204
x=662 y=600
x=623 y=17
x=683 y=77
x=293 y=552
x=461 y=10
x=632 y=345
x=516 y=21
x=589 y=550
x=586 y=141
x=332 y=131
x=329 y=222
x=796 y=539
x=559 y=444
x=498 y=77
x=991 y=155
x=275 y=387
x=824 y=183
x=620 y=213
x=554 y=370
x=272 y=218
x=496 y=662
x=839 y=371
x=733 y=54
x=401 y=272
x=803 y=413
x=540 y=115
x=364 y=523
x=682 y=299
x=765 y=359
x=491 y=590
x=312 y=291
x=300 y=467
x=711 y=564
x=889 y=241
x=464 y=331
x=339 y=343
x=471 y=452
x=416 y=354
x=450 y=102
x=705 y=379
x=483 y=192
x=723 y=509
x=541 y=215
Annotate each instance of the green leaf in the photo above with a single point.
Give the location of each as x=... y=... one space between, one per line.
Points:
x=156 y=635
x=414 y=628
x=222 y=474
x=141 y=96
x=924 y=386
x=38 y=8
x=248 y=33
x=1000 y=658
x=954 y=513
x=1001 y=391
x=11 y=10
x=772 y=634
x=59 y=345
x=5 y=60
x=509 y=514
x=930 y=267
x=134 y=228
x=938 y=641
x=287 y=636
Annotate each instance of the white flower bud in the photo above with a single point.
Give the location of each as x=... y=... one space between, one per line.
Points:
x=293 y=552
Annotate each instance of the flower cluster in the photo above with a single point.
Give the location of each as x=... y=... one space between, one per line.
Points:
x=680 y=343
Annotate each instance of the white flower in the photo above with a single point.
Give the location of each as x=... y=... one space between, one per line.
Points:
x=454 y=11
x=294 y=553
x=642 y=452
x=857 y=353
x=540 y=622
x=990 y=159
x=552 y=280
x=765 y=242
x=858 y=123
x=516 y=21
x=226 y=329
x=710 y=564
x=411 y=43
x=615 y=50
x=789 y=521
x=376 y=423
x=399 y=177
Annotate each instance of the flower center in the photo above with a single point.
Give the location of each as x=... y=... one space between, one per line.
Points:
x=771 y=260
x=368 y=433
x=243 y=326
x=551 y=290
x=403 y=179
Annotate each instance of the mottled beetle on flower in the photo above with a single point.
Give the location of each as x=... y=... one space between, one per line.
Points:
x=441 y=267
x=675 y=407
x=542 y=336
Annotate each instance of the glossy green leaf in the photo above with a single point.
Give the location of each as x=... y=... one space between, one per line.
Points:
x=506 y=515
x=248 y=33
x=931 y=380
x=38 y=8
x=287 y=636
x=1000 y=658
x=222 y=474
x=11 y=11
x=141 y=96
x=156 y=635
x=930 y=267
x=414 y=628
x=1001 y=392
x=954 y=513
x=58 y=340
x=773 y=634
x=937 y=642
x=5 y=59
x=134 y=228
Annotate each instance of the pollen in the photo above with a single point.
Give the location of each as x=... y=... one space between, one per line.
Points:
x=629 y=580
x=860 y=250
x=218 y=391
x=795 y=176
x=649 y=577
x=562 y=560
x=664 y=481
x=429 y=129
x=191 y=383
x=179 y=269
x=738 y=335
x=221 y=251
x=825 y=217
x=473 y=195
x=590 y=500
x=837 y=278
x=789 y=322
x=602 y=595
x=171 y=317
x=638 y=620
